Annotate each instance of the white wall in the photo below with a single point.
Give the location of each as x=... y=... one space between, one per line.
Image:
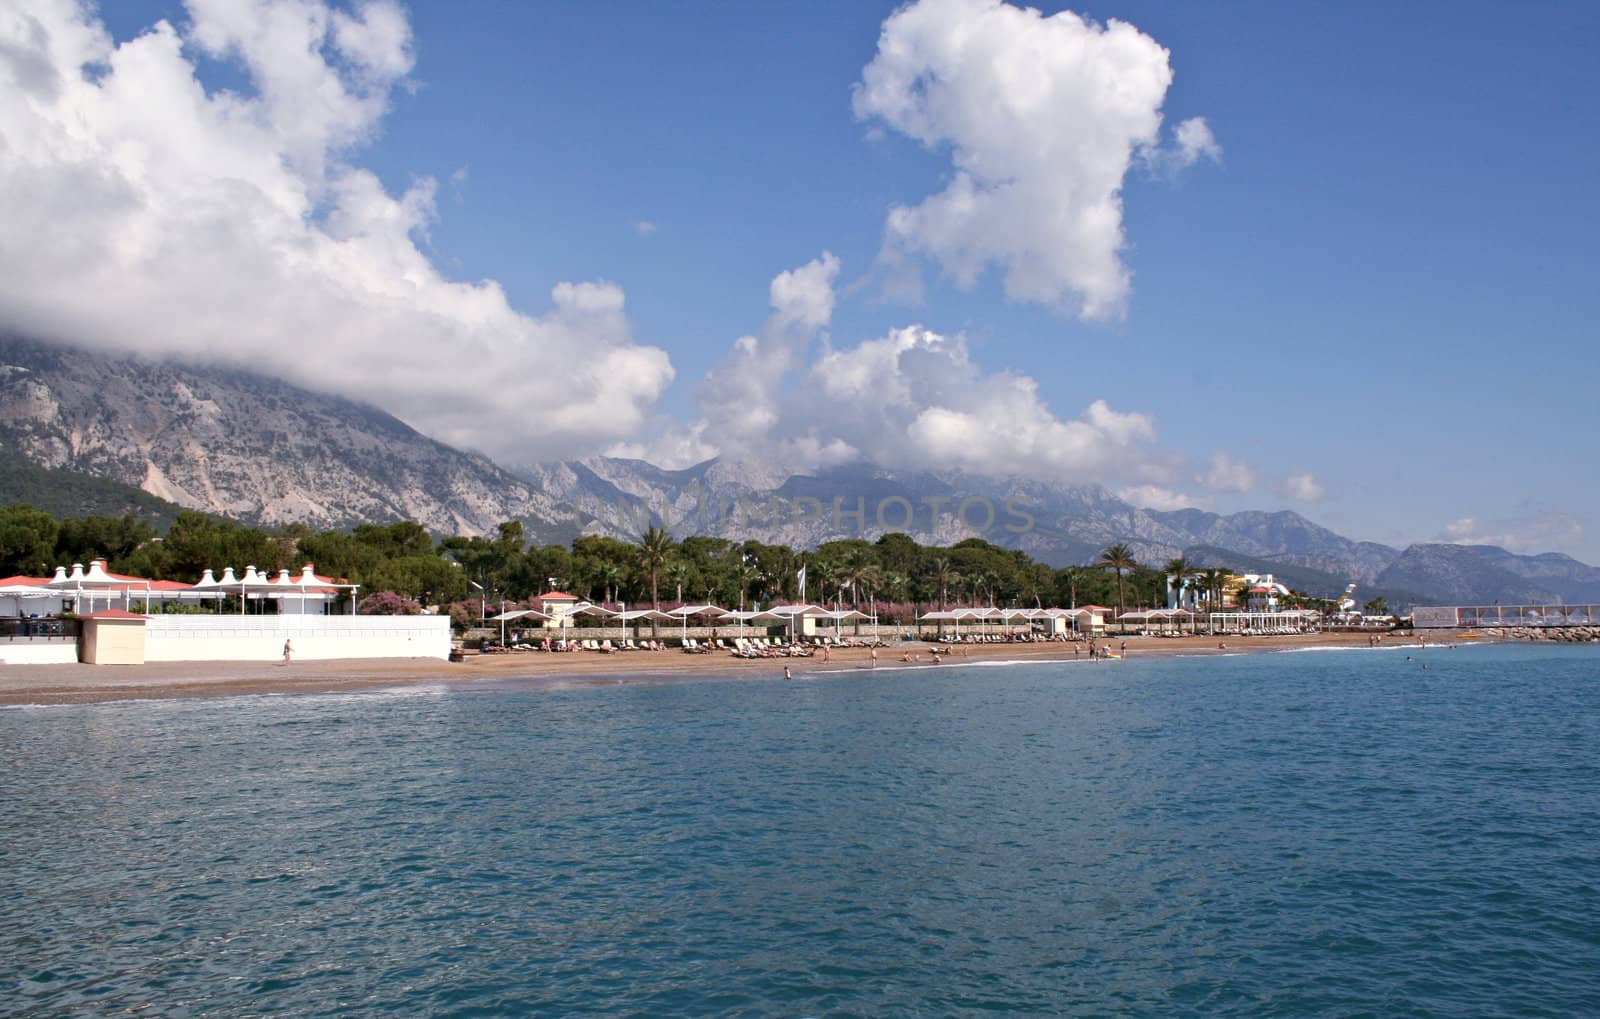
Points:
x=39 y=651
x=195 y=638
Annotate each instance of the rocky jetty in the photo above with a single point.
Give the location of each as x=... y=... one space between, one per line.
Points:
x=1560 y=634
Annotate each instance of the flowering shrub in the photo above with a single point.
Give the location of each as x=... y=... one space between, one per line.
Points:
x=387 y=603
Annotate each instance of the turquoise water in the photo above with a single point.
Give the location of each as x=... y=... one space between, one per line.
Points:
x=1321 y=833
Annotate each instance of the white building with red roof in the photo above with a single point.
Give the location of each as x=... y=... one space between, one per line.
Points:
x=256 y=616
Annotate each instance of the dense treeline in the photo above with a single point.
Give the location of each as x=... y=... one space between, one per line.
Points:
x=400 y=566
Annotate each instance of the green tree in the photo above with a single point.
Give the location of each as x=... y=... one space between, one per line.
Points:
x=27 y=541
x=1037 y=580
x=1120 y=559
x=859 y=572
x=898 y=553
x=655 y=549
x=110 y=538
x=196 y=543
x=1211 y=582
x=680 y=575
x=394 y=540
x=1068 y=578
x=748 y=573
x=611 y=575
x=942 y=573
x=1179 y=571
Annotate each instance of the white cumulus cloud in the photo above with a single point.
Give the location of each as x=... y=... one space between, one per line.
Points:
x=1043 y=116
x=141 y=211
x=1196 y=142
x=1227 y=474
x=913 y=398
x=916 y=398
x=742 y=399
x=1158 y=498
x=1532 y=531
x=1302 y=488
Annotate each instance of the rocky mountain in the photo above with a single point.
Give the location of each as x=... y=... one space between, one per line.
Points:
x=1486 y=575
x=1287 y=538
x=1057 y=523
x=263 y=451
x=63 y=493
x=250 y=447
x=1576 y=583
x=1306 y=579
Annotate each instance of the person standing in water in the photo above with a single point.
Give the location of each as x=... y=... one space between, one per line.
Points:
x=786 y=673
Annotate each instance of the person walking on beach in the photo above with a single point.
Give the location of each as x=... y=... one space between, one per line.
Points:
x=873 y=656
x=1124 y=649
x=288 y=652
x=827 y=652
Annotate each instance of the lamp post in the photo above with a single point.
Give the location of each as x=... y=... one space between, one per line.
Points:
x=483 y=602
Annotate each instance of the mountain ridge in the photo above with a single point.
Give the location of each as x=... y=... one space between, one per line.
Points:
x=258 y=449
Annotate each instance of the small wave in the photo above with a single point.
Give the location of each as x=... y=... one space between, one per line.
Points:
x=355 y=696
x=1027 y=661
x=1319 y=647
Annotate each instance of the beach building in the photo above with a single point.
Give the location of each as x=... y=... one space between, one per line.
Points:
x=1091 y=619
x=556 y=603
x=1256 y=592
x=112 y=637
x=29 y=597
x=93 y=615
x=1183 y=594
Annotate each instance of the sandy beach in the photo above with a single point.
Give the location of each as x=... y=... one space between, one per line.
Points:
x=68 y=684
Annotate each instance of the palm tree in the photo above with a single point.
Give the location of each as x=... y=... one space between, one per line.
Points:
x=1179 y=570
x=678 y=573
x=655 y=549
x=870 y=578
x=610 y=575
x=941 y=572
x=857 y=572
x=826 y=572
x=1072 y=574
x=744 y=575
x=1034 y=580
x=894 y=587
x=985 y=584
x=1211 y=582
x=1118 y=557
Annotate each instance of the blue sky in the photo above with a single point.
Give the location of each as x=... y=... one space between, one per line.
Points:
x=1375 y=304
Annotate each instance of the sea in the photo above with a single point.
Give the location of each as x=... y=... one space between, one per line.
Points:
x=1394 y=832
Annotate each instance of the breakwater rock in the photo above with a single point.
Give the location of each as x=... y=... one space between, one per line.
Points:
x=1561 y=634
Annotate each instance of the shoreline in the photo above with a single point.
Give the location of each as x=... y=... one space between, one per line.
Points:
x=45 y=685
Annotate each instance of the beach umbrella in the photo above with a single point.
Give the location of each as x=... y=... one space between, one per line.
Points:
x=683 y=612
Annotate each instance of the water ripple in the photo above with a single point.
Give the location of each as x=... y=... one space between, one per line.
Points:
x=1308 y=834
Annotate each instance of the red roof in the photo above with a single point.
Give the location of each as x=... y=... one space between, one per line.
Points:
x=112 y=614
x=24 y=581
x=556 y=596
x=1096 y=608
